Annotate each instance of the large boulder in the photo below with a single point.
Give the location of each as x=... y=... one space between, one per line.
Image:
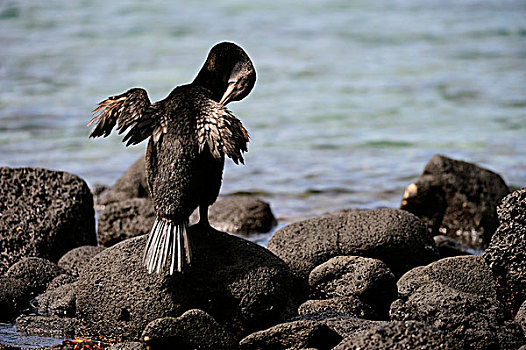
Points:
x=456 y=295
x=240 y=284
x=125 y=219
x=506 y=254
x=396 y=237
x=43 y=213
x=458 y=199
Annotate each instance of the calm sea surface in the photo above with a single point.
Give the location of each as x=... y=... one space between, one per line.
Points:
x=352 y=97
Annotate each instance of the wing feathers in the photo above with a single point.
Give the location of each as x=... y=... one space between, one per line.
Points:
x=222 y=133
x=130 y=111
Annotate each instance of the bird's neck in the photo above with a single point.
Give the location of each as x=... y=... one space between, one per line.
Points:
x=208 y=80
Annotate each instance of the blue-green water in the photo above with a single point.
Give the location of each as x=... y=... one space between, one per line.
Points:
x=352 y=98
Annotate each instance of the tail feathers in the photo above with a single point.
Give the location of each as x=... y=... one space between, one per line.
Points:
x=167 y=239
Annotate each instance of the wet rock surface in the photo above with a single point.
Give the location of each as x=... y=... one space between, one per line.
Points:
x=506 y=254
x=43 y=213
x=125 y=219
x=293 y=335
x=458 y=199
x=77 y=258
x=240 y=284
x=195 y=329
x=396 y=237
x=47 y=326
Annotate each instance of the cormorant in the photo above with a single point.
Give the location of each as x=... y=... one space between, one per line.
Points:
x=190 y=133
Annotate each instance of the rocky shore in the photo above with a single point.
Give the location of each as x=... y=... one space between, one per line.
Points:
x=389 y=278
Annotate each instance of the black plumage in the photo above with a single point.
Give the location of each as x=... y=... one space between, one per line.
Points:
x=190 y=133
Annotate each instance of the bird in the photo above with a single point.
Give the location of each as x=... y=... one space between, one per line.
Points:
x=190 y=132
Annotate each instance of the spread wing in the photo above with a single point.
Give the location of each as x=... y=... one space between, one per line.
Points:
x=222 y=132
x=130 y=111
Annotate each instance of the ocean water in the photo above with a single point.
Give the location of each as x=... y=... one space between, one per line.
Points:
x=352 y=98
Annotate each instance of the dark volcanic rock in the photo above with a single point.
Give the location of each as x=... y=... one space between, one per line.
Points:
x=14 y=297
x=195 y=329
x=456 y=295
x=58 y=301
x=347 y=326
x=132 y=184
x=367 y=279
x=125 y=219
x=77 y=258
x=47 y=326
x=457 y=198
x=399 y=336
x=240 y=215
x=349 y=305
x=448 y=247
x=520 y=317
x=506 y=254
x=36 y=273
x=467 y=274
x=242 y=285
x=43 y=213
x=293 y=335
x=475 y=321
x=61 y=280
x=396 y=237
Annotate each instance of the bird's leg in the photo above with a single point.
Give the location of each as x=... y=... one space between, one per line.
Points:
x=203 y=215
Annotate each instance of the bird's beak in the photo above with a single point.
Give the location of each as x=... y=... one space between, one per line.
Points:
x=228 y=93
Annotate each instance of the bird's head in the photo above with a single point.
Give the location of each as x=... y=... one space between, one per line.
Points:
x=228 y=72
